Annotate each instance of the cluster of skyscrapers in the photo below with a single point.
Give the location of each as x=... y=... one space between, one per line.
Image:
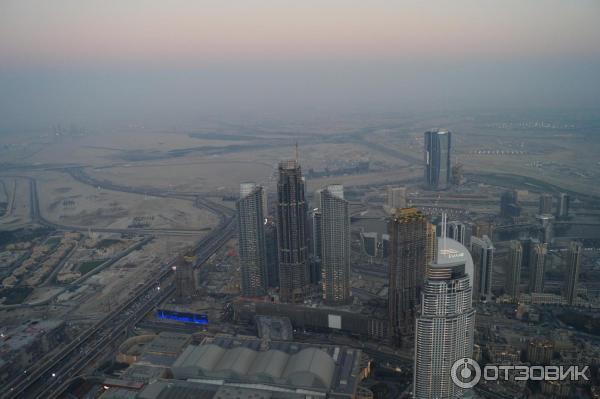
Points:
x=292 y=269
x=433 y=281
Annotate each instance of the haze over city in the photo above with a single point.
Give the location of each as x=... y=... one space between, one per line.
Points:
x=164 y=64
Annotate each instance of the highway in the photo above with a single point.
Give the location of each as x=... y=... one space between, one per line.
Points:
x=50 y=377
x=37 y=217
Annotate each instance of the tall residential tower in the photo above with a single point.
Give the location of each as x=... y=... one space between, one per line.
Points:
x=482 y=251
x=572 y=275
x=335 y=245
x=513 y=271
x=253 y=260
x=537 y=262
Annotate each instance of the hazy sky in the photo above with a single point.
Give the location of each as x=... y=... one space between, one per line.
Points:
x=157 y=62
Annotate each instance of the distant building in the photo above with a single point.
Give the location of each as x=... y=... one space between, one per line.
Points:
x=335 y=245
x=572 y=274
x=396 y=197
x=438 y=145
x=562 y=206
x=315 y=229
x=185 y=286
x=482 y=250
x=291 y=231
x=384 y=246
x=247 y=187
x=445 y=325
x=457 y=231
x=318 y=318
x=540 y=352
x=509 y=204
x=431 y=248
x=545 y=207
x=537 y=262
x=513 y=271
x=251 y=238
x=315 y=257
x=408 y=229
x=546 y=223
x=370 y=243
x=481 y=228
x=271 y=254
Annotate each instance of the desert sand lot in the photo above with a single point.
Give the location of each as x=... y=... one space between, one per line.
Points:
x=185 y=176
x=113 y=285
x=216 y=157
x=66 y=201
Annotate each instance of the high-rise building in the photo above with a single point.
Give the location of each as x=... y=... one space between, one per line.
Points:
x=408 y=230
x=271 y=254
x=537 y=262
x=251 y=237
x=335 y=245
x=315 y=230
x=247 y=187
x=431 y=248
x=457 y=231
x=445 y=325
x=315 y=244
x=509 y=204
x=572 y=276
x=545 y=207
x=562 y=206
x=438 y=145
x=482 y=251
x=291 y=233
x=546 y=227
x=396 y=197
x=185 y=286
x=513 y=271
x=540 y=351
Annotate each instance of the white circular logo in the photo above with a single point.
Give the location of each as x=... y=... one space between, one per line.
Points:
x=465 y=373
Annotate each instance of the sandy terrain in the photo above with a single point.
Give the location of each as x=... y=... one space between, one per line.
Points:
x=66 y=201
x=116 y=282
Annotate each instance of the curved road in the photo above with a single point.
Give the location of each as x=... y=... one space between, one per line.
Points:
x=50 y=377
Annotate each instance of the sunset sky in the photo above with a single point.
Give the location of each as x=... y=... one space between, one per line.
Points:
x=258 y=54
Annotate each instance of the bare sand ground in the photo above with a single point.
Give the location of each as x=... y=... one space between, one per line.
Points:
x=118 y=281
x=66 y=201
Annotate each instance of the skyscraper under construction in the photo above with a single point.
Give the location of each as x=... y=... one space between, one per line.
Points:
x=291 y=233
